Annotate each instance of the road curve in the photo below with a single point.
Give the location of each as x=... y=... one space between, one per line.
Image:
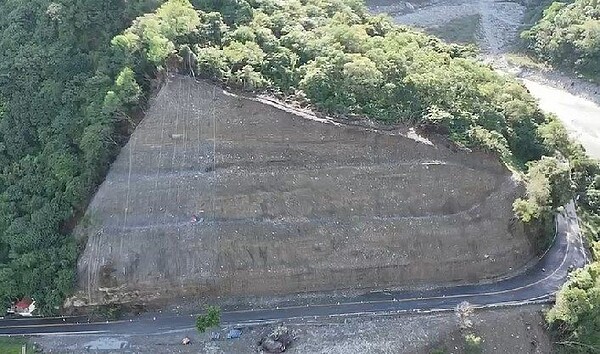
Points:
x=538 y=283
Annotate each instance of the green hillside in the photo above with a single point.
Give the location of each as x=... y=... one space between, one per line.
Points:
x=73 y=78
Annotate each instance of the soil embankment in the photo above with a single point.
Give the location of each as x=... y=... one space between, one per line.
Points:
x=220 y=195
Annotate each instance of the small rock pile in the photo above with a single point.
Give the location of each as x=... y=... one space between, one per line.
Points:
x=277 y=341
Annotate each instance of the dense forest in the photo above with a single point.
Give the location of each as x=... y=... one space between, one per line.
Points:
x=56 y=140
x=568 y=35
x=74 y=77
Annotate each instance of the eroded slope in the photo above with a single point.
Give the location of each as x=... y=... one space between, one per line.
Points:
x=217 y=194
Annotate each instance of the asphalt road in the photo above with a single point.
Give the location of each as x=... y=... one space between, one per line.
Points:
x=538 y=283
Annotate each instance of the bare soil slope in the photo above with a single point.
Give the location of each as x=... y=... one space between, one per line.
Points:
x=217 y=194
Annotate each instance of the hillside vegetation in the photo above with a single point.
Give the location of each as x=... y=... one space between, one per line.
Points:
x=574 y=318
x=56 y=140
x=568 y=35
x=69 y=93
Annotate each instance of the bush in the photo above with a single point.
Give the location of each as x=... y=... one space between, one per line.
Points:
x=472 y=344
x=211 y=318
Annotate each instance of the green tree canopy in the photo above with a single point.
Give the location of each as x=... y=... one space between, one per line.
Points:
x=568 y=35
x=576 y=315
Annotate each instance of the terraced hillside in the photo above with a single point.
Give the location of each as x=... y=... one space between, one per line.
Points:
x=217 y=194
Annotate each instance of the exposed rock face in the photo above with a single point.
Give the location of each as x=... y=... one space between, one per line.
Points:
x=216 y=194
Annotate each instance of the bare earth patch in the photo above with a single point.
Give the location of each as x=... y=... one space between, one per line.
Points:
x=221 y=195
x=460 y=30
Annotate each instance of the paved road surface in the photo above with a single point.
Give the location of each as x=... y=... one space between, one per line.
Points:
x=538 y=283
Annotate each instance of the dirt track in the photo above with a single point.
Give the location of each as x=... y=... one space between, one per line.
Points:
x=286 y=204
